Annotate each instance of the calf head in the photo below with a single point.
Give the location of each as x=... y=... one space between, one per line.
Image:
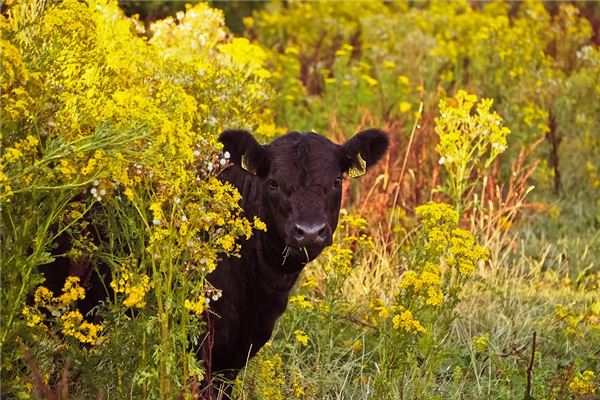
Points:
x=300 y=183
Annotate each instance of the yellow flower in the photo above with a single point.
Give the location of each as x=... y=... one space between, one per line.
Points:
x=404 y=106
x=248 y=22
x=42 y=296
x=75 y=326
x=71 y=291
x=481 y=343
x=270 y=376
x=403 y=80
x=465 y=252
x=136 y=293
x=567 y=317
x=405 y=320
x=584 y=384
x=301 y=301
x=426 y=285
x=31 y=318
x=135 y=287
x=66 y=168
x=129 y=193
x=298 y=389
x=389 y=64
x=380 y=308
x=301 y=337
x=410 y=279
x=11 y=154
x=437 y=215
x=356 y=346
x=291 y=50
x=28 y=144
x=197 y=307
x=435 y=296
x=371 y=81
x=246 y=55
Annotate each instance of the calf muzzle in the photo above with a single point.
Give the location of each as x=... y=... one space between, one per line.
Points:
x=316 y=234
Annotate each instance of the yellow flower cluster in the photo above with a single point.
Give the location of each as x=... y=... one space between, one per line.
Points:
x=379 y=308
x=464 y=252
x=481 y=343
x=426 y=285
x=404 y=319
x=442 y=258
x=202 y=225
x=301 y=337
x=16 y=84
x=356 y=346
x=446 y=241
x=300 y=300
x=270 y=378
x=469 y=140
x=33 y=317
x=135 y=287
x=13 y=158
x=72 y=322
x=437 y=215
x=75 y=326
x=297 y=389
x=71 y=291
x=131 y=119
x=378 y=311
x=247 y=56
x=259 y=225
x=593 y=177
x=195 y=306
x=43 y=296
x=339 y=259
x=340 y=255
x=584 y=383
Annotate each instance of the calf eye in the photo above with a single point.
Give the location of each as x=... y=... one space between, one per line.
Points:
x=273 y=185
x=338 y=182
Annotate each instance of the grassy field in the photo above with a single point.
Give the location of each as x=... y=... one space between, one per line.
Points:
x=466 y=266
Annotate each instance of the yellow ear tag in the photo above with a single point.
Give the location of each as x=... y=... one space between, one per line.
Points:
x=355 y=172
x=245 y=166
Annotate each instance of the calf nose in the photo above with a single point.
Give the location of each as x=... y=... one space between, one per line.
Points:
x=307 y=235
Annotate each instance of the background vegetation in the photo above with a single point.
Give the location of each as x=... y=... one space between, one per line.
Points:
x=466 y=266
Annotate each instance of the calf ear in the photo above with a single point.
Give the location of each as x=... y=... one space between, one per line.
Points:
x=244 y=151
x=364 y=150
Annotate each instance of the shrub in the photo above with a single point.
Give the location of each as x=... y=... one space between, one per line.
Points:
x=109 y=139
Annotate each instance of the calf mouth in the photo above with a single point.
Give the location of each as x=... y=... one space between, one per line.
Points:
x=304 y=254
